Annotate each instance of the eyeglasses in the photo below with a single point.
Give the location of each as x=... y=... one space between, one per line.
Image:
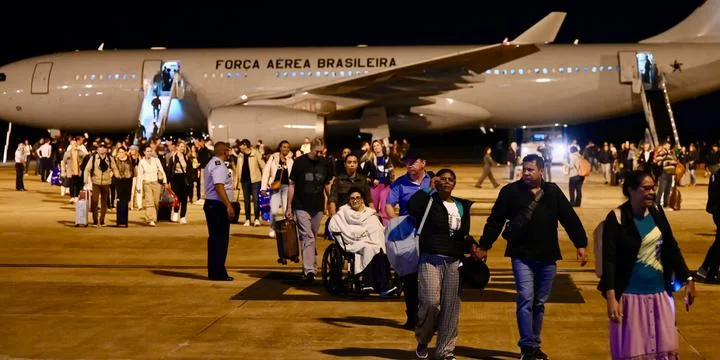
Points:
x=449 y=179
x=355 y=198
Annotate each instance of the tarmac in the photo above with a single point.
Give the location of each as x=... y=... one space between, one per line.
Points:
x=142 y=292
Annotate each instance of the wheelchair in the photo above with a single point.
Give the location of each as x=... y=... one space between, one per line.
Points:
x=338 y=273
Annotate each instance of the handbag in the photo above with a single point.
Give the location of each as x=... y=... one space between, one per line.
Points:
x=402 y=242
x=275 y=185
x=521 y=219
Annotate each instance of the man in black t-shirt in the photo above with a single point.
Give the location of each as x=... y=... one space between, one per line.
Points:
x=309 y=184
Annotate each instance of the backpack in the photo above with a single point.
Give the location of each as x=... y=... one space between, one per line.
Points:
x=584 y=167
x=598 y=247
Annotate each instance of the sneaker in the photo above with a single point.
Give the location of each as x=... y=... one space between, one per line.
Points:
x=257 y=222
x=152 y=223
x=390 y=291
x=528 y=353
x=421 y=351
x=309 y=278
x=272 y=234
x=540 y=355
x=183 y=220
x=247 y=223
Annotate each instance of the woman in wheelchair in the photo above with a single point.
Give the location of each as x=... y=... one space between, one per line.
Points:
x=362 y=235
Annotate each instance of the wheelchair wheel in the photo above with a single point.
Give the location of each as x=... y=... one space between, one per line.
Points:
x=333 y=265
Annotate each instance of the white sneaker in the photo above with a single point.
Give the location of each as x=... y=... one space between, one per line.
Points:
x=152 y=223
x=247 y=223
x=257 y=222
x=183 y=220
x=200 y=202
x=271 y=234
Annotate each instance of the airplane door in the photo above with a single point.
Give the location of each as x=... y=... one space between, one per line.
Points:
x=41 y=78
x=628 y=67
x=150 y=69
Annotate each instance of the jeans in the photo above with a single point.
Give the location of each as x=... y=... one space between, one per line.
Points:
x=664 y=187
x=308 y=223
x=251 y=190
x=533 y=280
x=278 y=203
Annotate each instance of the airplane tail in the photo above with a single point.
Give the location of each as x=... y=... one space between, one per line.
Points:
x=702 y=26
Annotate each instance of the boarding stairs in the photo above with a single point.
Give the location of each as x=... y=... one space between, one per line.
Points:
x=177 y=91
x=658 y=111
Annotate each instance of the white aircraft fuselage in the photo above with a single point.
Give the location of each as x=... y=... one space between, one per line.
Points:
x=104 y=90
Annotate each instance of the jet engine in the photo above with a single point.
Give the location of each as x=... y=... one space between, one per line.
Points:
x=270 y=123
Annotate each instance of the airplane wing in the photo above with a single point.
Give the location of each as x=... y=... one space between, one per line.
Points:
x=428 y=77
x=424 y=78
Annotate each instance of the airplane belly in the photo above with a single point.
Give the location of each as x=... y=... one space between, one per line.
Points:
x=528 y=103
x=94 y=109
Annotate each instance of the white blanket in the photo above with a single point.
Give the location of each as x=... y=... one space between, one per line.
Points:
x=362 y=233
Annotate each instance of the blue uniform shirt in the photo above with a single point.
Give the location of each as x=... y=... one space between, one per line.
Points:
x=402 y=189
x=216 y=172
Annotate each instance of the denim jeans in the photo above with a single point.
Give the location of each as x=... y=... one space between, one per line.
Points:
x=533 y=281
x=664 y=188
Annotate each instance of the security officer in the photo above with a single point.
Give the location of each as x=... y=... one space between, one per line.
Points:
x=218 y=211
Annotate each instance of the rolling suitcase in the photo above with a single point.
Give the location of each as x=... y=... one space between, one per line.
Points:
x=82 y=208
x=287 y=241
x=675 y=199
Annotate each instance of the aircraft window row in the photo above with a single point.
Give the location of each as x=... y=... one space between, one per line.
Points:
x=278 y=74
x=110 y=76
x=545 y=70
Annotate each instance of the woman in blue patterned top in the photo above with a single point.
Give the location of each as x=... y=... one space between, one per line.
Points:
x=641 y=260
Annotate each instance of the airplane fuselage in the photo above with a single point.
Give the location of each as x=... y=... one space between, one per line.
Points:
x=103 y=90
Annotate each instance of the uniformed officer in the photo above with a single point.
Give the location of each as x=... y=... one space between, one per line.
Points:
x=218 y=211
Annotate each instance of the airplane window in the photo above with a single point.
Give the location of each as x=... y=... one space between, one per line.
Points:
x=587 y=69
x=602 y=68
x=124 y=76
x=562 y=70
x=238 y=75
x=342 y=73
x=545 y=70
x=521 y=71
x=496 y=72
x=326 y=74
x=512 y=71
x=101 y=76
x=594 y=69
x=213 y=75
x=277 y=74
x=294 y=74
x=77 y=77
x=317 y=73
x=334 y=74
x=205 y=76
x=537 y=70
x=133 y=76
x=569 y=69
x=577 y=69
x=109 y=77
x=117 y=76
x=92 y=77
x=285 y=74
x=504 y=71
x=488 y=72
x=3 y=77
x=84 y=77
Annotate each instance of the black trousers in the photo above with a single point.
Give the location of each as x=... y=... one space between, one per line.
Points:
x=218 y=225
x=712 y=259
x=410 y=288
x=45 y=168
x=576 y=183
x=181 y=191
x=19 y=173
x=123 y=188
x=76 y=184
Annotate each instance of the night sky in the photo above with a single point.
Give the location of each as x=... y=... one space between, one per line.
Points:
x=37 y=28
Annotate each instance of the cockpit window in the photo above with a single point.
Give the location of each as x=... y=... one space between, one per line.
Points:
x=2 y=76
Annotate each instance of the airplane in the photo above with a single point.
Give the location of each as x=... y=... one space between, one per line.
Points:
x=292 y=93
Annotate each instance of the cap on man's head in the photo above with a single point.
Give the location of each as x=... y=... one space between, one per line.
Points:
x=102 y=144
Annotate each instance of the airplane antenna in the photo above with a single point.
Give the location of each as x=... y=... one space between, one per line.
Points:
x=101 y=46
x=576 y=41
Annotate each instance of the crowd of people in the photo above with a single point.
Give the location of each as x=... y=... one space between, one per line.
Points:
x=363 y=190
